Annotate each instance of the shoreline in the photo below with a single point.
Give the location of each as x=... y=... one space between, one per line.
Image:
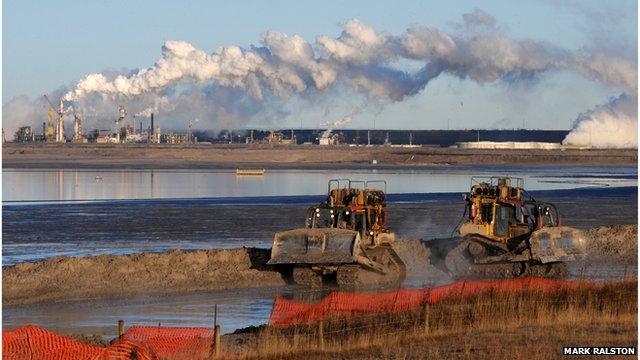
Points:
x=296 y=157
x=72 y=278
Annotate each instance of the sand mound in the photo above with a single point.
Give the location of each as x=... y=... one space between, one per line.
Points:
x=619 y=241
x=115 y=275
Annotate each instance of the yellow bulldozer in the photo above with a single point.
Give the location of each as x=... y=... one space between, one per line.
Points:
x=345 y=240
x=506 y=231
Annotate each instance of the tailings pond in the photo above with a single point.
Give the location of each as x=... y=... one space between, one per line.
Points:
x=87 y=212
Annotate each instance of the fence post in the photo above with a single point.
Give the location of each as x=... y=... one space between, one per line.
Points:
x=216 y=333
x=321 y=335
x=426 y=318
x=120 y=328
x=216 y=341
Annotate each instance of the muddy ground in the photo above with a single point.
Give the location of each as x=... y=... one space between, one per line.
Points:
x=297 y=157
x=177 y=271
x=71 y=278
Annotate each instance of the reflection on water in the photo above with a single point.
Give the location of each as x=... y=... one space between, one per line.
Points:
x=72 y=184
x=236 y=309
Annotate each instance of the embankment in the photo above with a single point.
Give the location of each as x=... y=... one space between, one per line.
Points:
x=68 y=278
x=118 y=275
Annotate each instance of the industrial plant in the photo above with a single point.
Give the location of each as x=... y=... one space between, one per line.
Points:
x=144 y=128
x=124 y=130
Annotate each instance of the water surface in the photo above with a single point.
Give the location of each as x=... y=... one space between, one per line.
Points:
x=80 y=184
x=75 y=212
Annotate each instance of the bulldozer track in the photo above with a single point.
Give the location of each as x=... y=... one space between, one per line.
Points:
x=305 y=276
x=349 y=276
x=551 y=270
x=460 y=264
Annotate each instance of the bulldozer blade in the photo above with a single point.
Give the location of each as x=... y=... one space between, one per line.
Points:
x=315 y=246
x=554 y=244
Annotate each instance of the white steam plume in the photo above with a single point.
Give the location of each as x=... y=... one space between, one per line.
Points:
x=234 y=83
x=340 y=123
x=160 y=104
x=613 y=125
x=360 y=58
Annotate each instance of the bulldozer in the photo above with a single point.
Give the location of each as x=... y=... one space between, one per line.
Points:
x=506 y=231
x=345 y=240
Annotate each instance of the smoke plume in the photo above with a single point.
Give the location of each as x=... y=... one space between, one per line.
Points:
x=340 y=123
x=233 y=83
x=612 y=125
x=161 y=104
x=360 y=58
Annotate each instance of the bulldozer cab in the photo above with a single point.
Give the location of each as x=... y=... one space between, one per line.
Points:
x=353 y=205
x=499 y=208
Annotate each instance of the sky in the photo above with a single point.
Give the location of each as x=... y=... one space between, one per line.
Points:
x=49 y=44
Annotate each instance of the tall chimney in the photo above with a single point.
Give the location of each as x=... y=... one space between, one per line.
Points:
x=152 y=124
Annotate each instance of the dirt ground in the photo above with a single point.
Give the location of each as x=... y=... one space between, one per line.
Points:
x=180 y=271
x=71 y=278
x=299 y=157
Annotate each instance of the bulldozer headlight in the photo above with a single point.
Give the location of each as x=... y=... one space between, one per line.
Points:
x=331 y=211
x=317 y=214
x=370 y=232
x=317 y=210
x=346 y=212
x=332 y=216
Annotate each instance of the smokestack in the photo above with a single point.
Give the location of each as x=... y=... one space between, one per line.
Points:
x=151 y=123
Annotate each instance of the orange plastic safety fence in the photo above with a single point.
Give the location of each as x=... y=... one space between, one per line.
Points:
x=32 y=342
x=342 y=304
x=140 y=342
x=125 y=349
x=173 y=343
